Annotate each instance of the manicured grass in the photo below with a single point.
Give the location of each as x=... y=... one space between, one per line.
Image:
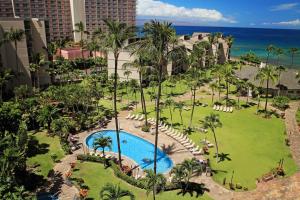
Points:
x=95 y=177
x=298 y=116
x=251 y=144
x=46 y=146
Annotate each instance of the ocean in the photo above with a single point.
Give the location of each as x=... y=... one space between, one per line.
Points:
x=255 y=40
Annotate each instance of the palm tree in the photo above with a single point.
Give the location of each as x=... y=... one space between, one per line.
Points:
x=267 y=74
x=158 y=37
x=183 y=172
x=229 y=39
x=270 y=51
x=293 y=51
x=116 y=38
x=127 y=73
x=154 y=181
x=102 y=142
x=278 y=52
x=80 y=28
x=179 y=106
x=213 y=86
x=46 y=115
x=38 y=62
x=15 y=36
x=217 y=72
x=170 y=103
x=227 y=73
x=212 y=122
x=60 y=44
x=140 y=64
x=4 y=77
x=114 y=192
x=279 y=70
x=51 y=50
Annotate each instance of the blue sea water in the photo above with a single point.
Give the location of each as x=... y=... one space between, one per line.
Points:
x=254 y=39
x=135 y=148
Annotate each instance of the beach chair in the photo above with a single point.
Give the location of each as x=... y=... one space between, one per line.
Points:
x=218 y=108
x=224 y=109
x=128 y=116
x=210 y=145
x=199 y=152
x=215 y=106
x=190 y=146
x=141 y=118
x=136 y=117
x=231 y=109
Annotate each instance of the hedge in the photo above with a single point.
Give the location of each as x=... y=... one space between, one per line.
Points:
x=140 y=183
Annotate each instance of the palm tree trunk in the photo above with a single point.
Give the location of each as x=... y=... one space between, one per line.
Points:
x=143 y=98
x=219 y=87
x=217 y=148
x=116 y=56
x=171 y=115
x=156 y=124
x=212 y=96
x=17 y=63
x=1 y=93
x=258 y=104
x=227 y=92
x=193 y=106
x=267 y=95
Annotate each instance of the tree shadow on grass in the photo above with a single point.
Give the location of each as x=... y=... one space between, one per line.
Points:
x=194 y=189
x=223 y=157
x=35 y=148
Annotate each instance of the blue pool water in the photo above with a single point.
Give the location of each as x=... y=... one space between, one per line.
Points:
x=135 y=148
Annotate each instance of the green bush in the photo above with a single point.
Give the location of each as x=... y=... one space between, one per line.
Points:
x=90 y=158
x=281 y=102
x=54 y=157
x=146 y=128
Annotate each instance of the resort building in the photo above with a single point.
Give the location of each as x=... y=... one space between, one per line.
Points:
x=62 y=15
x=56 y=12
x=34 y=41
x=219 y=50
x=288 y=83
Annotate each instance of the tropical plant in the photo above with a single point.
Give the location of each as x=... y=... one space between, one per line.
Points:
x=281 y=102
x=115 y=192
x=60 y=44
x=279 y=70
x=80 y=28
x=251 y=57
x=169 y=102
x=102 y=142
x=5 y=76
x=15 y=36
x=116 y=38
x=212 y=122
x=46 y=115
x=213 y=86
x=293 y=51
x=34 y=67
x=51 y=51
x=154 y=182
x=229 y=39
x=183 y=172
x=179 y=106
x=228 y=73
x=267 y=74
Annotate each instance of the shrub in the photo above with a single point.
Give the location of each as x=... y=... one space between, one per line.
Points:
x=90 y=158
x=281 y=102
x=54 y=157
x=146 y=128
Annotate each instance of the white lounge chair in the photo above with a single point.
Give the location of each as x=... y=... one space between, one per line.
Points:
x=136 y=117
x=224 y=109
x=215 y=107
x=141 y=118
x=231 y=109
x=128 y=116
x=199 y=152
x=210 y=145
x=190 y=146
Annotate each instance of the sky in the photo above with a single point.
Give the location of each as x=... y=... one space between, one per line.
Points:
x=228 y=13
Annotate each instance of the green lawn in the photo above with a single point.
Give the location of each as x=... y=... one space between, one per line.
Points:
x=46 y=146
x=298 y=116
x=251 y=144
x=95 y=177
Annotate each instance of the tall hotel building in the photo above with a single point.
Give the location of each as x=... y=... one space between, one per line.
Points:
x=62 y=15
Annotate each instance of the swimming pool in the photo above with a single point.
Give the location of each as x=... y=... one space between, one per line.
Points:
x=135 y=148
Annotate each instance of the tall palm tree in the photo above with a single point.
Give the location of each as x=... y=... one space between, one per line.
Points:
x=102 y=142
x=140 y=64
x=15 y=36
x=116 y=38
x=153 y=181
x=179 y=106
x=267 y=74
x=213 y=86
x=127 y=73
x=279 y=70
x=270 y=51
x=115 y=192
x=158 y=38
x=34 y=67
x=212 y=122
x=293 y=51
x=51 y=50
x=80 y=28
x=4 y=77
x=278 y=52
x=229 y=39
x=228 y=73
x=217 y=72
x=170 y=103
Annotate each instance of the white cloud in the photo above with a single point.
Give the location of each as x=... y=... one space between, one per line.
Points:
x=154 y=8
x=285 y=6
x=295 y=22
